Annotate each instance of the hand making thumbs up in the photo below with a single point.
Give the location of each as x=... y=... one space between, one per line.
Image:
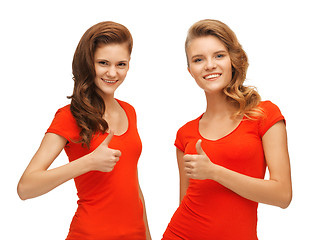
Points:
x=104 y=158
x=198 y=166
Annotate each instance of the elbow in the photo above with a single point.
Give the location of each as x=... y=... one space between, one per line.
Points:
x=286 y=200
x=22 y=192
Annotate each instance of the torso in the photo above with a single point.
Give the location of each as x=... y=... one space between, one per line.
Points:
x=109 y=206
x=209 y=210
x=117 y=120
x=215 y=128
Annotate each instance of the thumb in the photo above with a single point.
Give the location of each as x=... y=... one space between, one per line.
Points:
x=199 y=149
x=108 y=138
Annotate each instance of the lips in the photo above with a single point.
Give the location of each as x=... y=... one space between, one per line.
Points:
x=109 y=81
x=212 y=76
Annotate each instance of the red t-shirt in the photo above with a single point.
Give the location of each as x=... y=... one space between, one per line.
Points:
x=210 y=211
x=109 y=206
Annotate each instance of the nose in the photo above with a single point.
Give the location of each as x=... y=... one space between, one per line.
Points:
x=111 y=72
x=210 y=64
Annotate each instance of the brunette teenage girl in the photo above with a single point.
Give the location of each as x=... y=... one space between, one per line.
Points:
x=99 y=135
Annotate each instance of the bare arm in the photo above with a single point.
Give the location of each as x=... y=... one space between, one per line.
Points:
x=38 y=180
x=184 y=180
x=148 y=236
x=275 y=191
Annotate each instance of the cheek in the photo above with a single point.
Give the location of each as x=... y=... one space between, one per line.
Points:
x=228 y=66
x=195 y=72
x=229 y=71
x=99 y=71
x=123 y=73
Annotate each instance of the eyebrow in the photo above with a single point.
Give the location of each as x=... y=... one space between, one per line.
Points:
x=200 y=55
x=196 y=56
x=221 y=51
x=105 y=60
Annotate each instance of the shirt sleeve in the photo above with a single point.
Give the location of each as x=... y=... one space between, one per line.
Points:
x=179 y=140
x=271 y=115
x=64 y=124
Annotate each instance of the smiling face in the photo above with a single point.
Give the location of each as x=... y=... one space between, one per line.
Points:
x=209 y=63
x=111 y=63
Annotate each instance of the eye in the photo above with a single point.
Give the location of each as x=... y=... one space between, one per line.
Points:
x=196 y=60
x=104 y=63
x=122 y=64
x=219 y=56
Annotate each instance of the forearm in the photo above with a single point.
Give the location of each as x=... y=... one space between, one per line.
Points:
x=183 y=191
x=184 y=180
x=148 y=236
x=271 y=191
x=39 y=182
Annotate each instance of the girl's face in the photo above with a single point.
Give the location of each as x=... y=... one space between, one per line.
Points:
x=111 y=65
x=209 y=63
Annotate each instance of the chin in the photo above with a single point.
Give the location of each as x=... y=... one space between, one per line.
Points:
x=213 y=90
x=105 y=92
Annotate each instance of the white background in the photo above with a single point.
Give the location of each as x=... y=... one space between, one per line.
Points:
x=286 y=42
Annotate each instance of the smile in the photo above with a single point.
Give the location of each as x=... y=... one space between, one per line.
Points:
x=212 y=76
x=109 y=81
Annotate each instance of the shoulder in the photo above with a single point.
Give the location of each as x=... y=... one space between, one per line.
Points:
x=64 y=113
x=268 y=106
x=66 y=108
x=64 y=124
x=129 y=110
x=271 y=115
x=190 y=126
x=185 y=133
x=269 y=110
x=126 y=106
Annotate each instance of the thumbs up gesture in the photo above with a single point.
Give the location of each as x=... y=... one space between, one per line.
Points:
x=104 y=158
x=198 y=166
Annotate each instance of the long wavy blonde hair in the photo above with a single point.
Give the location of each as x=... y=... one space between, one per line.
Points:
x=246 y=98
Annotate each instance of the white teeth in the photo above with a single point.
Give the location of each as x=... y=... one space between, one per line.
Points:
x=109 y=81
x=212 y=76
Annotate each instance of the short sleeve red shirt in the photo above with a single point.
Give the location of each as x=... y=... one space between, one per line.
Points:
x=109 y=206
x=210 y=211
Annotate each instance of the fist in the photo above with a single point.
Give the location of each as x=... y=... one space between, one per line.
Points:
x=104 y=158
x=198 y=166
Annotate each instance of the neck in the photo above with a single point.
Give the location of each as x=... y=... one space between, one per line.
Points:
x=218 y=105
x=110 y=104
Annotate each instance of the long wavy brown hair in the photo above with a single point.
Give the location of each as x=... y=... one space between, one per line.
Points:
x=87 y=106
x=246 y=98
